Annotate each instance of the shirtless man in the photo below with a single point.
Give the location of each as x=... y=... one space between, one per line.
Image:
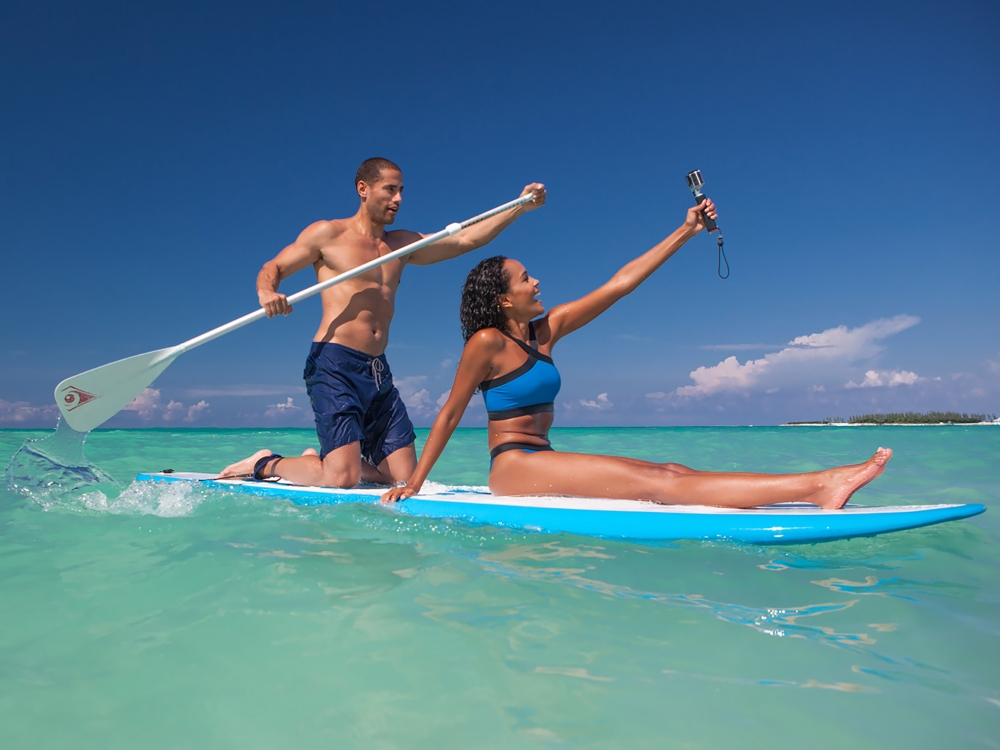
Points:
x=364 y=431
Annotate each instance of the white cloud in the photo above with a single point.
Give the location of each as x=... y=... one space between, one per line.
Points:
x=19 y=412
x=147 y=404
x=891 y=379
x=657 y=396
x=858 y=341
x=416 y=397
x=805 y=359
x=420 y=401
x=409 y=385
x=283 y=410
x=902 y=377
x=174 y=410
x=195 y=411
x=602 y=402
x=443 y=398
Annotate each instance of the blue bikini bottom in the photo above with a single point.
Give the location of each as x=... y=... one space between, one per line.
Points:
x=526 y=447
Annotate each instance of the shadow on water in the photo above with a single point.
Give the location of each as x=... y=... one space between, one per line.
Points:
x=53 y=471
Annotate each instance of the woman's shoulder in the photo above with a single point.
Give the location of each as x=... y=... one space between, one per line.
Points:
x=486 y=339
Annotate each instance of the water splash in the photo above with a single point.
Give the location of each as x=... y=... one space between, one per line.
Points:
x=166 y=499
x=54 y=471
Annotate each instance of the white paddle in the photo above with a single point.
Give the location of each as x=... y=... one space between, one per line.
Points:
x=91 y=398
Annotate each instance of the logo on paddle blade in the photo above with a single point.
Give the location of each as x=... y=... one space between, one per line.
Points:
x=74 y=397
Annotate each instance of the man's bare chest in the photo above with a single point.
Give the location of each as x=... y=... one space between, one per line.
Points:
x=342 y=257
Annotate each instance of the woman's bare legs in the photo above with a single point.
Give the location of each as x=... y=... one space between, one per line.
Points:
x=551 y=472
x=679 y=468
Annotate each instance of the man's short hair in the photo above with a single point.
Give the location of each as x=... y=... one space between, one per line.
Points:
x=371 y=170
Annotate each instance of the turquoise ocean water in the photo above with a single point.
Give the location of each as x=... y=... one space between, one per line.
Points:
x=171 y=618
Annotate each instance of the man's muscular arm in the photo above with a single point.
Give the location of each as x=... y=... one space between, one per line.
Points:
x=305 y=251
x=477 y=235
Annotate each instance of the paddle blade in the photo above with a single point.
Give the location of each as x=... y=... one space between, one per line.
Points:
x=91 y=398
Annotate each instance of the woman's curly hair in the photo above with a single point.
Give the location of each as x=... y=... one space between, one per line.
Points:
x=484 y=286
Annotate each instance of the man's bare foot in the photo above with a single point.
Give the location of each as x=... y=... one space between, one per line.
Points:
x=310 y=452
x=245 y=467
x=846 y=480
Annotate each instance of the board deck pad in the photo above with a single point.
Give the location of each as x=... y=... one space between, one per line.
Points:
x=785 y=523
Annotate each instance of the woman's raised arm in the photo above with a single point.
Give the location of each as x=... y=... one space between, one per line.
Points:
x=473 y=369
x=564 y=319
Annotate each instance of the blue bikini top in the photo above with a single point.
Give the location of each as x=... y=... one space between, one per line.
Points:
x=530 y=389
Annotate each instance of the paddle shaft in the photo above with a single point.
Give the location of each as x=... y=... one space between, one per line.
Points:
x=89 y=399
x=449 y=231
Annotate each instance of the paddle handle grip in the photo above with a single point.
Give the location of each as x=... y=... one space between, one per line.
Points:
x=449 y=231
x=710 y=224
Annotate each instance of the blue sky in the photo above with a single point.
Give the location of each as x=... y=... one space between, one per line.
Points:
x=154 y=157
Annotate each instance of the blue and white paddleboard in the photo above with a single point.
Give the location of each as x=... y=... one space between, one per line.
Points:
x=786 y=523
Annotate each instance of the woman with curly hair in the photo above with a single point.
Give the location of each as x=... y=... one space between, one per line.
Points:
x=507 y=356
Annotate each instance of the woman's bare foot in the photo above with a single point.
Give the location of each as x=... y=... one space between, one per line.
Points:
x=310 y=452
x=846 y=480
x=245 y=467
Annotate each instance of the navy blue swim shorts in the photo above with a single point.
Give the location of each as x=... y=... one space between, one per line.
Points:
x=353 y=399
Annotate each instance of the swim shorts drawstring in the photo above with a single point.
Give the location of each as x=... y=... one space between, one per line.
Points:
x=377 y=368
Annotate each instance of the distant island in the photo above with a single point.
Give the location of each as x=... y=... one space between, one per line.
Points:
x=909 y=417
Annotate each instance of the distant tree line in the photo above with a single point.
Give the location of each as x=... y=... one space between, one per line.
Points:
x=909 y=417
x=930 y=417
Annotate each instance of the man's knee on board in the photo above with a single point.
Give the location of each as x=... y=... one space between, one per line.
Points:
x=341 y=473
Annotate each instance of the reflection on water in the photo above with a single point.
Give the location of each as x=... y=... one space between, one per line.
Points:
x=580 y=571
x=779 y=622
x=54 y=471
x=898 y=587
x=577 y=672
x=912 y=677
x=844 y=687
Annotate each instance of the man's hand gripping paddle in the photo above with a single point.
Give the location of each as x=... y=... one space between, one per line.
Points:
x=91 y=398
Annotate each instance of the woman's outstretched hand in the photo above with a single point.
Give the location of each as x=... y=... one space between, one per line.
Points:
x=695 y=222
x=399 y=493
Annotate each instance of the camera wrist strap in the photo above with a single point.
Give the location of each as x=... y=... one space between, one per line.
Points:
x=722 y=257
